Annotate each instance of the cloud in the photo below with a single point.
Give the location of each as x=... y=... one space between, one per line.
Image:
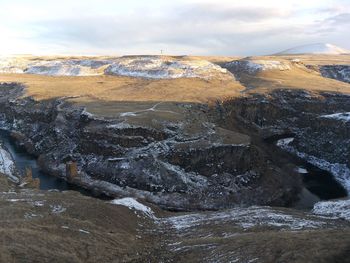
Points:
x=191 y=28
x=184 y=27
x=342 y=19
x=331 y=25
x=210 y=12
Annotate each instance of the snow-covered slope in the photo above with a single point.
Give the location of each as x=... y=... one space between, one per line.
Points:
x=156 y=67
x=13 y=64
x=253 y=66
x=84 y=67
x=7 y=165
x=164 y=68
x=319 y=48
x=342 y=116
x=334 y=209
x=133 y=204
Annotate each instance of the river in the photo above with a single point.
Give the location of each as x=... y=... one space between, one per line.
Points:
x=23 y=159
x=318 y=184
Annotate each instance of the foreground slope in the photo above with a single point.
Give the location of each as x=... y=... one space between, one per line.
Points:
x=68 y=227
x=52 y=226
x=42 y=226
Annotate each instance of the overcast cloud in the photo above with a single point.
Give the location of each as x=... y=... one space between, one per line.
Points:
x=217 y=27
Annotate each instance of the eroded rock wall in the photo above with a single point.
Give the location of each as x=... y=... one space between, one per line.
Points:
x=181 y=168
x=320 y=137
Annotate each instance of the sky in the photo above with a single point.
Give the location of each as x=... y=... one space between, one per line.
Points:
x=178 y=27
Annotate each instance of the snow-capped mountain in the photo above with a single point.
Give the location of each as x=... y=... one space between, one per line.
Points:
x=318 y=48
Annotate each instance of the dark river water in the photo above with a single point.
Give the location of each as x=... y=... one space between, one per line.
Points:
x=318 y=182
x=23 y=160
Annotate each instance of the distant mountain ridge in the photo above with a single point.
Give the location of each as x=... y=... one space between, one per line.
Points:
x=318 y=48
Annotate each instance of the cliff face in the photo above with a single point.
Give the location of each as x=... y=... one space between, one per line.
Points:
x=316 y=123
x=181 y=163
x=338 y=72
x=186 y=156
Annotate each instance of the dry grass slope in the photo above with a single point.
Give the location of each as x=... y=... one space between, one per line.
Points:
x=115 y=88
x=103 y=94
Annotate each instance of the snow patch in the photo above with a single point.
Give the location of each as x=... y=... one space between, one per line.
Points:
x=12 y=65
x=164 y=68
x=66 y=68
x=188 y=178
x=7 y=165
x=245 y=218
x=301 y=170
x=126 y=114
x=262 y=65
x=38 y=203
x=87 y=114
x=254 y=66
x=131 y=203
x=125 y=165
x=18 y=200
x=284 y=142
x=57 y=209
x=31 y=215
x=121 y=125
x=84 y=231
x=334 y=209
x=342 y=116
